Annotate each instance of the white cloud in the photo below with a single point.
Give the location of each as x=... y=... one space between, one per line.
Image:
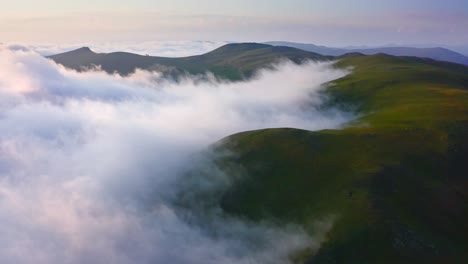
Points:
x=89 y=161
x=153 y=48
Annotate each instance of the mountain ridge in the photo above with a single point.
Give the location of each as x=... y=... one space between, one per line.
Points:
x=235 y=61
x=437 y=53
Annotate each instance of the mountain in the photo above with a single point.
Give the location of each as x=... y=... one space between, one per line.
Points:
x=393 y=184
x=232 y=61
x=441 y=54
x=462 y=49
x=309 y=47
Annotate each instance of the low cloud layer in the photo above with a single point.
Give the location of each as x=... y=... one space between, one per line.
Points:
x=89 y=161
x=153 y=48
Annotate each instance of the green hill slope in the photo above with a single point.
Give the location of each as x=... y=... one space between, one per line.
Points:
x=395 y=180
x=232 y=61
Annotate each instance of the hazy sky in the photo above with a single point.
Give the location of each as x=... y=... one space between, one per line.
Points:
x=338 y=23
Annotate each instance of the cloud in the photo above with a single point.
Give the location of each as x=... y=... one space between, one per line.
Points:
x=89 y=162
x=153 y=48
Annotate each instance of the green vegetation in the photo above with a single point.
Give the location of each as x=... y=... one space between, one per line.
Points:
x=394 y=180
x=232 y=61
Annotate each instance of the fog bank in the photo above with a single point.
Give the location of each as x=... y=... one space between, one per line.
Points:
x=79 y=152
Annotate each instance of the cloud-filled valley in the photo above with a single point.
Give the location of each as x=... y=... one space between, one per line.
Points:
x=89 y=162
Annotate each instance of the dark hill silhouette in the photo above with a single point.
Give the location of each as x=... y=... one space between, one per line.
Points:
x=232 y=61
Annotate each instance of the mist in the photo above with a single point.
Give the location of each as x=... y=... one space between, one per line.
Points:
x=89 y=162
x=153 y=48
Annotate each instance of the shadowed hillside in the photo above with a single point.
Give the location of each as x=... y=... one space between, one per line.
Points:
x=232 y=61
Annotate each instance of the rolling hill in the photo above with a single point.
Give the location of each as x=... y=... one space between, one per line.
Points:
x=440 y=54
x=232 y=61
x=395 y=180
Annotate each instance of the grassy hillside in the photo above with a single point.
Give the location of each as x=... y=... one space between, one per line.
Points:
x=232 y=61
x=395 y=181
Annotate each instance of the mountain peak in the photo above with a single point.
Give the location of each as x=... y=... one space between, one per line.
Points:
x=74 y=54
x=84 y=49
x=239 y=47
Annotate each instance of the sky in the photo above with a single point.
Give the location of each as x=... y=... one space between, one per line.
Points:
x=334 y=23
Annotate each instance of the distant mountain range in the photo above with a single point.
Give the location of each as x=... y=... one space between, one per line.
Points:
x=232 y=61
x=440 y=54
x=235 y=61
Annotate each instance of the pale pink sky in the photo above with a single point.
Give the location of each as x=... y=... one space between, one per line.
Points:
x=336 y=23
